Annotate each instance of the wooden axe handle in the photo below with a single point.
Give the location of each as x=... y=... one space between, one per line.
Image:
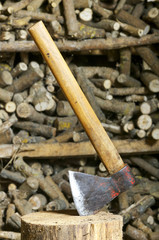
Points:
x=77 y=99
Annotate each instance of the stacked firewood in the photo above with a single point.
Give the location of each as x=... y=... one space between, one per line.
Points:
x=123 y=90
x=111 y=48
x=38 y=186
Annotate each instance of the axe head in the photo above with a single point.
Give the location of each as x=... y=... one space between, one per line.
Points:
x=90 y=193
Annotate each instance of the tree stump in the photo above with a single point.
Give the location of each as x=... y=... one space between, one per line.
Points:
x=67 y=225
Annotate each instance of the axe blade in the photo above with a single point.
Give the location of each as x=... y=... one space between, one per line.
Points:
x=90 y=193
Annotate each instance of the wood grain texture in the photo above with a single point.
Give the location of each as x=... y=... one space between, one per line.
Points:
x=69 y=226
x=82 y=149
x=77 y=99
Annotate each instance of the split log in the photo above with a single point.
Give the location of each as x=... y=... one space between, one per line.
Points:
x=8 y=123
x=34 y=5
x=37 y=129
x=5 y=96
x=152 y=16
x=57 y=220
x=10 y=107
x=126 y=17
x=127 y=91
x=60 y=179
x=80 y=136
x=37 y=16
x=155 y=132
x=64 y=109
x=26 y=79
x=21 y=34
x=105 y=13
x=41 y=98
x=10 y=235
x=141 y=226
x=23 y=206
x=146 y=166
x=106 y=24
x=27 y=111
x=27 y=188
x=150 y=106
x=20 y=97
x=38 y=201
x=18 y=6
x=86 y=15
x=10 y=211
x=57 y=204
x=104 y=72
x=14 y=176
x=123 y=201
x=117 y=106
x=154 y=235
x=136 y=98
x=6 y=137
x=133 y=31
x=65 y=123
x=135 y=233
x=15 y=221
x=149 y=57
x=150 y=80
x=56 y=189
x=102 y=83
x=5 y=78
x=128 y=81
x=70 y=16
x=19 y=68
x=137 y=209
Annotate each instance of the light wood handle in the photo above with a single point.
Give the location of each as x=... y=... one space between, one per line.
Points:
x=77 y=99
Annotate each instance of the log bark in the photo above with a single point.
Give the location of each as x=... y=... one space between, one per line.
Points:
x=18 y=6
x=68 y=225
x=37 y=129
x=150 y=58
x=117 y=106
x=128 y=81
x=26 y=79
x=10 y=235
x=125 y=61
x=91 y=44
x=135 y=233
x=8 y=123
x=5 y=96
x=18 y=69
x=150 y=80
x=126 y=17
x=89 y=93
x=146 y=166
x=155 y=132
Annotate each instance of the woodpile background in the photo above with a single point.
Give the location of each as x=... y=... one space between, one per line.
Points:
x=112 y=48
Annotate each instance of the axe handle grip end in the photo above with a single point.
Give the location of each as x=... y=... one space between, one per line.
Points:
x=93 y=127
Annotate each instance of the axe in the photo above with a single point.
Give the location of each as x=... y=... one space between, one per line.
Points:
x=90 y=193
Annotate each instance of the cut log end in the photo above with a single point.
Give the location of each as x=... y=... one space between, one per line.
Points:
x=144 y=122
x=154 y=85
x=68 y=225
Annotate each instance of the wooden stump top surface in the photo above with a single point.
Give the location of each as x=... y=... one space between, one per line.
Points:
x=70 y=217
x=68 y=225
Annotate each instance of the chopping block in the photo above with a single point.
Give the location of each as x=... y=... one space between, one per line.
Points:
x=68 y=225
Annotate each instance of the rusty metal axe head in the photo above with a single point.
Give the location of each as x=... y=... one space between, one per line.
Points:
x=90 y=193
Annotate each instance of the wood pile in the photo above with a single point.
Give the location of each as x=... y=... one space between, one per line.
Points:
x=112 y=49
